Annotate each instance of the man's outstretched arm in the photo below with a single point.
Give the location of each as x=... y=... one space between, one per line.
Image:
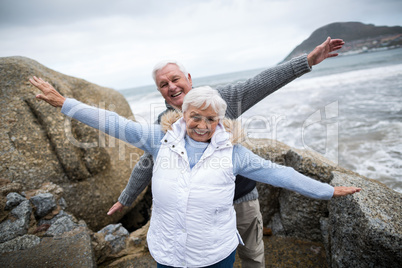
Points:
x=140 y=178
x=243 y=95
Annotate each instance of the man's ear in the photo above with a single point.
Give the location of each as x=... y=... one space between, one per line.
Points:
x=189 y=79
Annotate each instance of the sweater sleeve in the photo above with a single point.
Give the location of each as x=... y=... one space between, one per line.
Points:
x=141 y=175
x=145 y=137
x=243 y=95
x=140 y=178
x=250 y=165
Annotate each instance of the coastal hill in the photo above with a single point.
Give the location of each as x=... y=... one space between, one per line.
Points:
x=358 y=37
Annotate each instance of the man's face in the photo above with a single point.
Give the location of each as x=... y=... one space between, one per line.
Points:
x=173 y=84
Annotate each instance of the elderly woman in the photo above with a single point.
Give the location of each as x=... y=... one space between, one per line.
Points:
x=193 y=223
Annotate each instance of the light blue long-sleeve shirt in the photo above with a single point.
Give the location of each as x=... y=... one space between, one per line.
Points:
x=148 y=137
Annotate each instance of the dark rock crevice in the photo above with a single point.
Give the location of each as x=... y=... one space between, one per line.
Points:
x=138 y=216
x=39 y=122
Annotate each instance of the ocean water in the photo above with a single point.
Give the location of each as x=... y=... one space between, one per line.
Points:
x=349 y=109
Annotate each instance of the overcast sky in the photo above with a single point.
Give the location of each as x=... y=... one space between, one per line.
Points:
x=116 y=43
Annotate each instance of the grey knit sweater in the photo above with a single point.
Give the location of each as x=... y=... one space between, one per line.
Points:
x=240 y=97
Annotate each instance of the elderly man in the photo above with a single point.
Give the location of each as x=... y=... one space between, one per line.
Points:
x=174 y=83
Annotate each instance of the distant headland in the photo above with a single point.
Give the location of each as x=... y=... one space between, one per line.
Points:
x=358 y=37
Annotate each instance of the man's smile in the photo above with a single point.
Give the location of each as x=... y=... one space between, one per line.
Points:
x=176 y=94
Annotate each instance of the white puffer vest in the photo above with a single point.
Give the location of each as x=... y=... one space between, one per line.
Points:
x=193 y=221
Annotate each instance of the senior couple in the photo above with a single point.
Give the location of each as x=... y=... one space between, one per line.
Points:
x=204 y=203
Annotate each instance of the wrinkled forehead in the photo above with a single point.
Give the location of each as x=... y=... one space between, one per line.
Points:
x=203 y=110
x=168 y=71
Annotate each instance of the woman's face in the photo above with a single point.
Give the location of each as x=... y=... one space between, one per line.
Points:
x=200 y=124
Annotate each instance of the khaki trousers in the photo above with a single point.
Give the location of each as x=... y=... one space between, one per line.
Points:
x=249 y=225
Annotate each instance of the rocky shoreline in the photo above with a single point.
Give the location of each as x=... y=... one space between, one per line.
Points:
x=54 y=195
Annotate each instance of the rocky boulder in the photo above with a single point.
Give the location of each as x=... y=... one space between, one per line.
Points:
x=38 y=144
x=116 y=235
x=360 y=230
x=37 y=232
x=71 y=249
x=135 y=254
x=17 y=224
x=286 y=212
x=365 y=229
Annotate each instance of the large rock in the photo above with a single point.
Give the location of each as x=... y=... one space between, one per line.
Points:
x=71 y=249
x=136 y=253
x=116 y=235
x=19 y=243
x=61 y=225
x=360 y=230
x=18 y=225
x=44 y=204
x=13 y=199
x=38 y=144
x=365 y=229
x=286 y=212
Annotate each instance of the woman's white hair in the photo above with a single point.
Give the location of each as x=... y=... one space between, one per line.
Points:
x=204 y=97
x=160 y=65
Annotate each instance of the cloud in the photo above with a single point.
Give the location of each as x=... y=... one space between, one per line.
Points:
x=39 y=12
x=116 y=43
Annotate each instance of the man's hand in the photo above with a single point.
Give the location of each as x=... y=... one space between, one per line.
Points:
x=116 y=207
x=323 y=51
x=50 y=95
x=342 y=190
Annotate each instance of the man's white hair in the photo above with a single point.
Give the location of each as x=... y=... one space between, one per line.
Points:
x=204 y=97
x=160 y=65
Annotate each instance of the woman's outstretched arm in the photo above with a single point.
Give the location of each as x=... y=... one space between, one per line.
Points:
x=145 y=137
x=250 y=165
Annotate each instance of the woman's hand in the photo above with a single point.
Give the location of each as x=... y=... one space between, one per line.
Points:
x=116 y=207
x=50 y=95
x=342 y=190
